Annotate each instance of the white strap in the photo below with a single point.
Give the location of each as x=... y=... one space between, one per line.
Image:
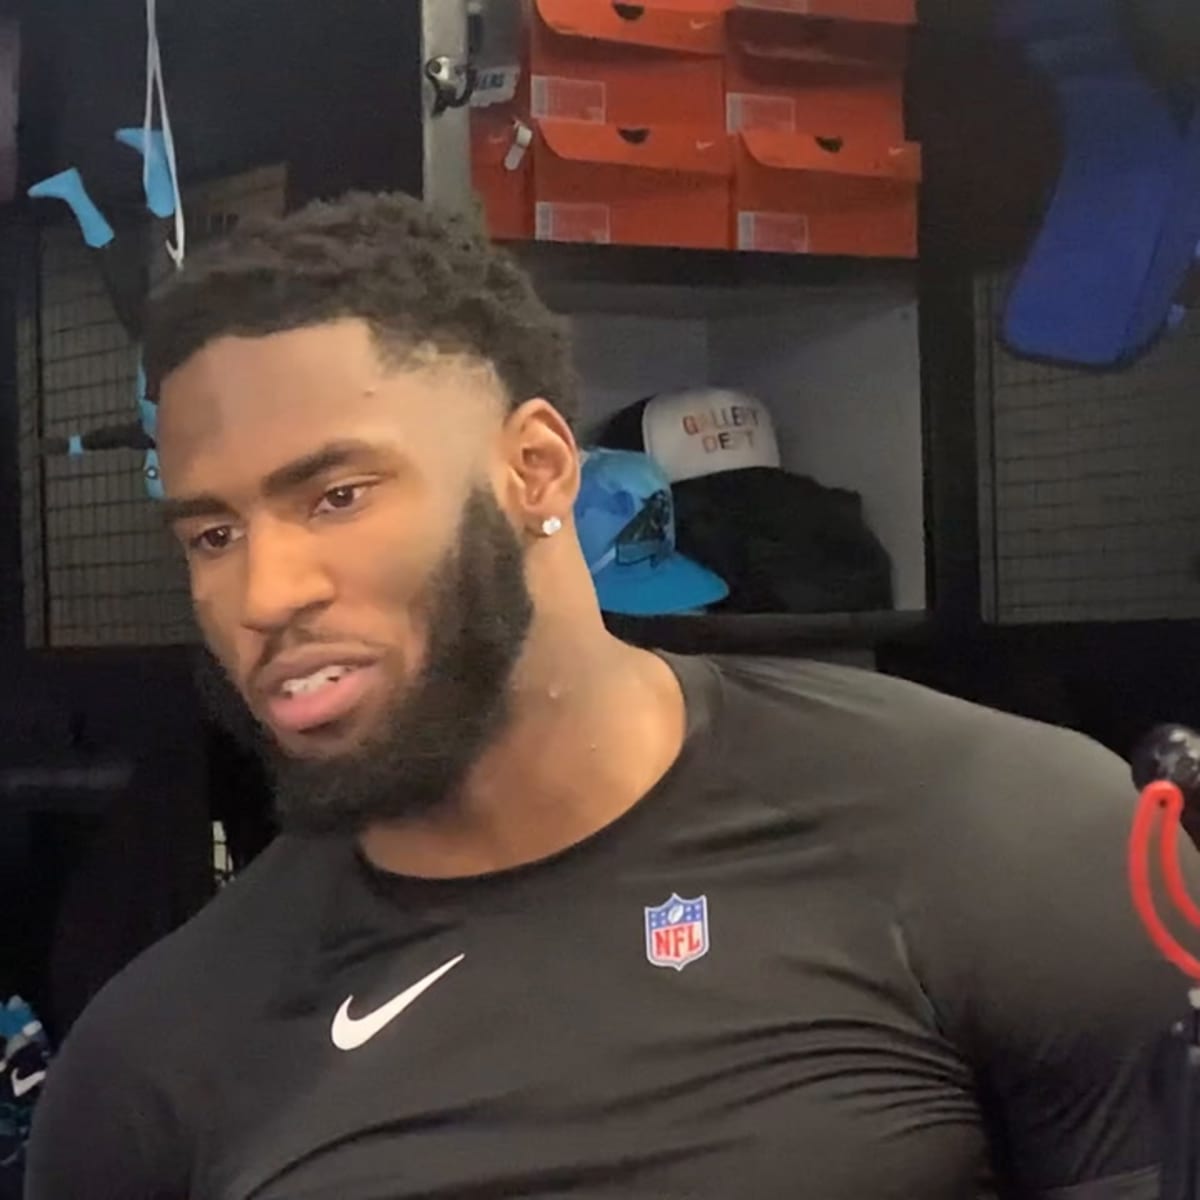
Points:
x=156 y=90
x=607 y=558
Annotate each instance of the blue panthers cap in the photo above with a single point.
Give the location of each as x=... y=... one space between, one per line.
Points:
x=626 y=526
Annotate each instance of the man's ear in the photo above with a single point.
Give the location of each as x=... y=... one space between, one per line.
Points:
x=541 y=466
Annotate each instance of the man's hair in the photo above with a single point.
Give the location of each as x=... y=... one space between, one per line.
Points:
x=419 y=278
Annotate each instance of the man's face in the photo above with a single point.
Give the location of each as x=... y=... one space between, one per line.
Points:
x=350 y=566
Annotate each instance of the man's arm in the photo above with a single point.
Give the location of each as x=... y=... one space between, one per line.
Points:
x=1026 y=940
x=102 y=1131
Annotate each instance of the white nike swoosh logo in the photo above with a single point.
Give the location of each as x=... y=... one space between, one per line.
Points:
x=350 y=1033
x=22 y=1085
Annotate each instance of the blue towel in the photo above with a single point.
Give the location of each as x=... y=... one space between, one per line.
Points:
x=1120 y=233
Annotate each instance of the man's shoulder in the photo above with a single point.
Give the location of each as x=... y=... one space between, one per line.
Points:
x=879 y=731
x=224 y=951
x=810 y=682
x=831 y=696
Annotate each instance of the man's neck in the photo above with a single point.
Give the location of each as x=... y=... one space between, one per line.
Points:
x=589 y=735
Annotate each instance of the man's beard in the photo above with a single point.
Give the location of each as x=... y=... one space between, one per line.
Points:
x=479 y=611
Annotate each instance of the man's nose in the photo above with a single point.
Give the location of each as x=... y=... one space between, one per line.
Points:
x=285 y=577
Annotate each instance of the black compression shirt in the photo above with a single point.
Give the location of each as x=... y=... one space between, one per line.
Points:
x=862 y=942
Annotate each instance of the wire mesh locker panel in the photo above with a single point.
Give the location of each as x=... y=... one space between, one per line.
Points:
x=1090 y=482
x=28 y=442
x=109 y=575
x=99 y=566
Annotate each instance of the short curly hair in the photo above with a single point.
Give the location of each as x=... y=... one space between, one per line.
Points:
x=418 y=277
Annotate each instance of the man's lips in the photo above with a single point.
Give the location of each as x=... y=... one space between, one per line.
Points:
x=322 y=705
x=314 y=686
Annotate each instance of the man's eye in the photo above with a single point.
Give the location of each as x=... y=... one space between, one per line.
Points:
x=214 y=540
x=343 y=497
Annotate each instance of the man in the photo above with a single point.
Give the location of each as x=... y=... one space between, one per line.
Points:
x=555 y=916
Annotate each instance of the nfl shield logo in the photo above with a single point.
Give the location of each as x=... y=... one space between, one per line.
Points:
x=677 y=932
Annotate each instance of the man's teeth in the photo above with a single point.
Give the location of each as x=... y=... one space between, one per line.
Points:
x=318 y=679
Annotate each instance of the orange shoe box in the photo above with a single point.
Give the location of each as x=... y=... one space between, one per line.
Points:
x=883 y=12
x=651 y=186
x=808 y=194
x=655 y=63
x=793 y=74
x=502 y=170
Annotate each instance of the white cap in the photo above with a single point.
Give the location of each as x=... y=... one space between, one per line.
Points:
x=703 y=431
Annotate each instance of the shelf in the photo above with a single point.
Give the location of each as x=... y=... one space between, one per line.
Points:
x=578 y=278
x=78 y=787
x=768 y=633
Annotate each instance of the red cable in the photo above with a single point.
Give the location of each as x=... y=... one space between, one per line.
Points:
x=1172 y=871
x=1165 y=798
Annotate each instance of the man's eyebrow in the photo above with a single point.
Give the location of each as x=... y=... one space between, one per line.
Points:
x=283 y=479
x=304 y=470
x=182 y=508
